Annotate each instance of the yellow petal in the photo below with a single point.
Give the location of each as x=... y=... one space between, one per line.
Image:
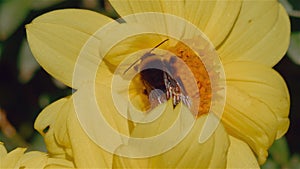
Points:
x=3 y=150
x=100 y=120
x=45 y=125
x=82 y=20
x=86 y=153
x=60 y=129
x=124 y=162
x=210 y=154
x=130 y=7
x=11 y=160
x=65 y=138
x=59 y=163
x=209 y=16
x=264 y=84
x=261 y=34
x=56 y=39
x=3 y=153
x=240 y=155
x=159 y=23
x=33 y=159
x=187 y=153
x=214 y=18
x=257 y=105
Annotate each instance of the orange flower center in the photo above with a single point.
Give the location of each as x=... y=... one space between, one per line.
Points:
x=200 y=75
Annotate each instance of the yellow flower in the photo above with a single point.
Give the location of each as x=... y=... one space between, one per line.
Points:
x=34 y=159
x=240 y=106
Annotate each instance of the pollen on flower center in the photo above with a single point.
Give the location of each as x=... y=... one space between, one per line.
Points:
x=200 y=76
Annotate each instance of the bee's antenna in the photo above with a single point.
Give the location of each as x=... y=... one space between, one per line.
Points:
x=147 y=54
x=131 y=66
x=158 y=45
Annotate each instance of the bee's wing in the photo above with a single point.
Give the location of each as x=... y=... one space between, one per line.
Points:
x=156 y=97
x=186 y=100
x=130 y=65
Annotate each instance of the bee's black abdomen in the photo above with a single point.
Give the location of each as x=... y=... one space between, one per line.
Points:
x=154 y=77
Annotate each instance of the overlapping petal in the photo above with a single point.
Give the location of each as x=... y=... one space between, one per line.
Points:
x=257 y=105
x=261 y=34
x=56 y=39
x=86 y=153
x=46 y=124
x=213 y=151
x=214 y=18
x=10 y=160
x=34 y=159
x=58 y=163
x=158 y=23
x=241 y=151
x=66 y=140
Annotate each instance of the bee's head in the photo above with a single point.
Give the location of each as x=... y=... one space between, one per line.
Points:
x=151 y=61
x=145 y=56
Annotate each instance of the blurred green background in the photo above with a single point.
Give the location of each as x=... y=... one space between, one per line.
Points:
x=25 y=88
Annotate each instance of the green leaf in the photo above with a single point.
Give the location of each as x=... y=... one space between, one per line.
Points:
x=12 y=14
x=3 y=1
x=37 y=143
x=295 y=4
x=270 y=164
x=294 y=48
x=280 y=151
x=286 y=5
x=292 y=7
x=294 y=162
